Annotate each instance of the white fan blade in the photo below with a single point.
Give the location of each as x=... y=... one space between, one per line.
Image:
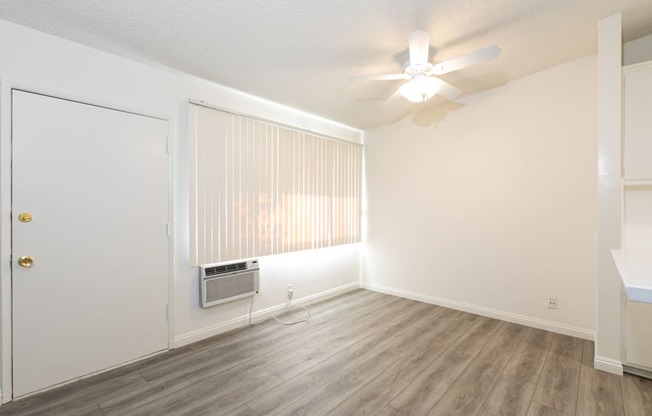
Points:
x=419 y=42
x=447 y=90
x=473 y=58
x=385 y=77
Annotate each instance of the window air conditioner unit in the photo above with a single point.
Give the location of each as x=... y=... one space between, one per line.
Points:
x=225 y=282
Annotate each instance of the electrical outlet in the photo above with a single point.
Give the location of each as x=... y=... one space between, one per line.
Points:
x=552 y=303
x=290 y=292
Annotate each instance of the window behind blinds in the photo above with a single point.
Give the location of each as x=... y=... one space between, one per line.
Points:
x=258 y=188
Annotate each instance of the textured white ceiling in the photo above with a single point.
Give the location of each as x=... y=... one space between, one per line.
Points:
x=299 y=52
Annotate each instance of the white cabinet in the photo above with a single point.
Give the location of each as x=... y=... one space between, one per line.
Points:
x=637 y=164
x=637 y=126
x=634 y=260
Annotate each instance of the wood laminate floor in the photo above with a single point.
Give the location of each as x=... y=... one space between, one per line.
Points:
x=362 y=353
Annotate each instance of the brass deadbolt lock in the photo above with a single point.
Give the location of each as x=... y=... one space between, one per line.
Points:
x=25 y=216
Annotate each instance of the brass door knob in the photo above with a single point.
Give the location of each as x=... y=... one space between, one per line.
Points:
x=25 y=261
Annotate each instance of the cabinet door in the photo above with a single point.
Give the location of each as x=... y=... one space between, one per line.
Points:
x=638 y=122
x=639 y=334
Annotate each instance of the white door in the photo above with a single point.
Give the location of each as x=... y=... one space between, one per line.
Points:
x=95 y=183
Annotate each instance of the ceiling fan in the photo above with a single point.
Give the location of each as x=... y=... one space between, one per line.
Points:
x=421 y=75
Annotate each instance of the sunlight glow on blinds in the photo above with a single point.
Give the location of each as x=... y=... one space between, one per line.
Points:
x=257 y=188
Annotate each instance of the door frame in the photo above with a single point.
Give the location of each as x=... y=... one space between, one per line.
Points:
x=6 y=305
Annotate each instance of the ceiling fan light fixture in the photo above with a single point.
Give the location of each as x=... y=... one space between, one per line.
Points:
x=419 y=90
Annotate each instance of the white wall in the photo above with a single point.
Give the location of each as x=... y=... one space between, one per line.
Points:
x=44 y=63
x=637 y=51
x=493 y=209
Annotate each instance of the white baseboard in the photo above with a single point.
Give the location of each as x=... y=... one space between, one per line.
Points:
x=638 y=371
x=479 y=310
x=242 y=321
x=608 y=365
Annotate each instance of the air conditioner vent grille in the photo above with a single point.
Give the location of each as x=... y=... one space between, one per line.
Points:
x=229 y=286
x=225 y=268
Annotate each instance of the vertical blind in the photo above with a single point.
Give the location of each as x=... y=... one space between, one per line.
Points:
x=259 y=188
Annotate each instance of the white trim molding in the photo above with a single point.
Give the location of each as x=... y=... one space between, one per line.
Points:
x=5 y=243
x=479 y=310
x=608 y=365
x=243 y=321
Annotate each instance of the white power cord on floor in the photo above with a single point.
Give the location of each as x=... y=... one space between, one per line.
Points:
x=251 y=305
